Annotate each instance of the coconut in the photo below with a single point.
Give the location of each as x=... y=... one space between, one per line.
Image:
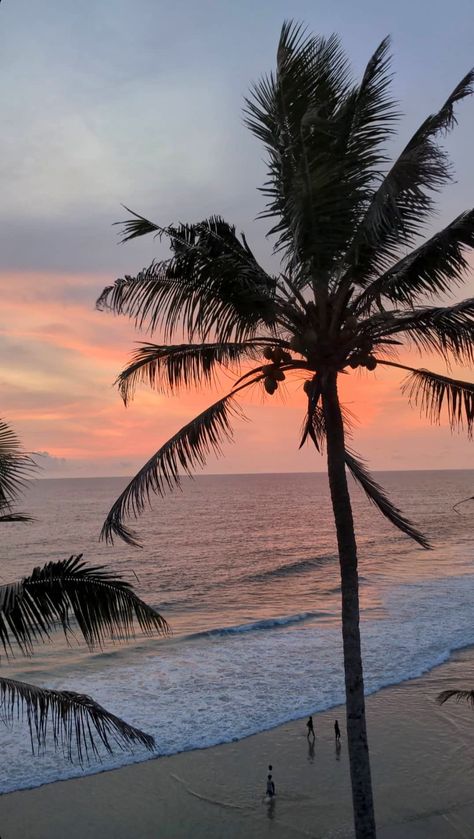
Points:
x=270 y=384
x=371 y=363
x=268 y=353
x=277 y=355
x=279 y=376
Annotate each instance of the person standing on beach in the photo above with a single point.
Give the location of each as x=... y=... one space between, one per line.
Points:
x=337 y=732
x=310 y=727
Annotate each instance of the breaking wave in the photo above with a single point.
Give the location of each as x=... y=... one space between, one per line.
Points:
x=258 y=626
x=299 y=567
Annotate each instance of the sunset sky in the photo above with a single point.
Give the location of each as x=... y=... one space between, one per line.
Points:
x=139 y=103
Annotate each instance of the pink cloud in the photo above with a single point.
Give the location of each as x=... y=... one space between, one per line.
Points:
x=63 y=357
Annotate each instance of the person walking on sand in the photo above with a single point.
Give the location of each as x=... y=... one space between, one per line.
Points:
x=310 y=727
x=270 y=787
x=337 y=732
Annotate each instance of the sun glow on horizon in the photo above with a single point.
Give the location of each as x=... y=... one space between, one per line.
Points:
x=58 y=392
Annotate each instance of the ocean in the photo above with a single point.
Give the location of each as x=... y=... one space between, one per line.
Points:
x=244 y=569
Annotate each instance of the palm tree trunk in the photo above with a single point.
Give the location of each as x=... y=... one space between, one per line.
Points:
x=362 y=800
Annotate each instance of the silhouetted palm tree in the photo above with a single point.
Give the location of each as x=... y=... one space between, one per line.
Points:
x=100 y=604
x=348 y=294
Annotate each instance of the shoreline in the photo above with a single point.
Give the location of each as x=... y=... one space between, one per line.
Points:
x=422 y=761
x=149 y=757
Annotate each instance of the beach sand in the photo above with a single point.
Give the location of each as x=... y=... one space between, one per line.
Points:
x=422 y=763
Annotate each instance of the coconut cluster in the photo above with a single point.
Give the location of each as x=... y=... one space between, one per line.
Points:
x=273 y=372
x=362 y=357
x=358 y=360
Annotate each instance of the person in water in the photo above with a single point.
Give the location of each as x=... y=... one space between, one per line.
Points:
x=337 y=731
x=310 y=727
x=270 y=787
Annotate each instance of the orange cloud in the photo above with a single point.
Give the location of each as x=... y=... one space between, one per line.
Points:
x=63 y=357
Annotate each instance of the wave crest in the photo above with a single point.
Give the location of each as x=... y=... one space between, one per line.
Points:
x=258 y=626
x=299 y=567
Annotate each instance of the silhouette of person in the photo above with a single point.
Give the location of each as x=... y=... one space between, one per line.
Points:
x=270 y=787
x=337 y=731
x=310 y=727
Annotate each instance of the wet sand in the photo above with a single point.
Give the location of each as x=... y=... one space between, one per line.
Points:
x=422 y=763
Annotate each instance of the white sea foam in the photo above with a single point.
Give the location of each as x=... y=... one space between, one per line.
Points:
x=200 y=694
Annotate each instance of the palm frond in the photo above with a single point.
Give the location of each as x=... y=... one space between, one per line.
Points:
x=137 y=226
x=12 y=517
x=75 y=722
x=457 y=695
x=448 y=330
x=186 y=450
x=16 y=467
x=322 y=136
x=438 y=265
x=168 y=368
x=372 y=109
x=403 y=201
x=378 y=496
x=432 y=393
x=103 y=605
x=212 y=285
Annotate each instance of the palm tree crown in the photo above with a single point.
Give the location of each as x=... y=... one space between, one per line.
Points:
x=348 y=294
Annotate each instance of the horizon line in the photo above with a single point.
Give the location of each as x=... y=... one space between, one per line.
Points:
x=234 y=474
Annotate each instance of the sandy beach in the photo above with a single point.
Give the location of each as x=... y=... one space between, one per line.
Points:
x=422 y=762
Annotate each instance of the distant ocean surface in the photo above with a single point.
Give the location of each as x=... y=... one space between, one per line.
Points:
x=244 y=568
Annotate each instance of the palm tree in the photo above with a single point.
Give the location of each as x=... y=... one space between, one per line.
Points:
x=100 y=604
x=348 y=294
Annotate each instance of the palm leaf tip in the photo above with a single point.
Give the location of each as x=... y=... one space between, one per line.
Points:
x=457 y=695
x=137 y=226
x=76 y=722
x=12 y=517
x=104 y=606
x=186 y=450
x=432 y=393
x=376 y=494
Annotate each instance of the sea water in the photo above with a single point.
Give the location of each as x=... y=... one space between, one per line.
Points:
x=244 y=569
